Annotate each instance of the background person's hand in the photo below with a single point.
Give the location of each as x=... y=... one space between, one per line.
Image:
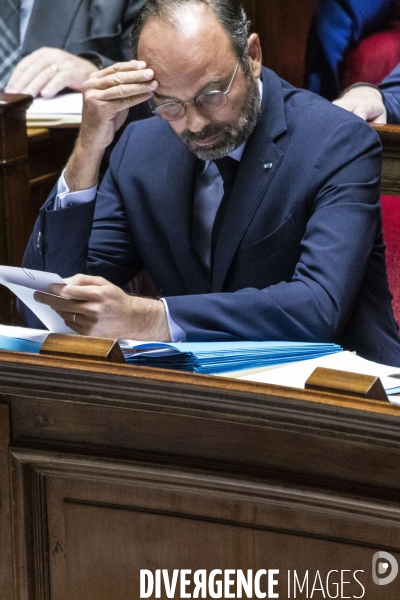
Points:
x=47 y=71
x=365 y=102
x=94 y=306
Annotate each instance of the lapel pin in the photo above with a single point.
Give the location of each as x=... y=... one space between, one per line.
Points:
x=267 y=166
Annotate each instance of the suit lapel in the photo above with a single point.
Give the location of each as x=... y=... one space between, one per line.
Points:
x=176 y=218
x=48 y=26
x=260 y=162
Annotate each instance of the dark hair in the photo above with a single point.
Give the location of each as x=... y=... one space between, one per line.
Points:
x=229 y=13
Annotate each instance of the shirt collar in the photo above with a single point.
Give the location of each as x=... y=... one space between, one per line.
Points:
x=237 y=153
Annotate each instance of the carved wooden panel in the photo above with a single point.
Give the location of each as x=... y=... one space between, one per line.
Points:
x=6 y=579
x=91 y=525
x=116 y=469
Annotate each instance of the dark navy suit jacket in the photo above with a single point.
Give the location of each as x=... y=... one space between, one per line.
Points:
x=299 y=255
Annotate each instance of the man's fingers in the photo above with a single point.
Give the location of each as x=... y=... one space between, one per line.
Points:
x=59 y=81
x=32 y=79
x=26 y=69
x=365 y=102
x=67 y=70
x=82 y=279
x=67 y=307
x=361 y=112
x=371 y=114
x=381 y=119
x=79 y=289
x=116 y=91
x=41 y=81
x=57 y=302
x=122 y=77
x=76 y=319
x=133 y=65
x=126 y=90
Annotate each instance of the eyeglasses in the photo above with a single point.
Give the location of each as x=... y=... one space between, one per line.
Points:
x=209 y=102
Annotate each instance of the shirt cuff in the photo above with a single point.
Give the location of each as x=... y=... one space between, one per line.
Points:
x=177 y=334
x=66 y=199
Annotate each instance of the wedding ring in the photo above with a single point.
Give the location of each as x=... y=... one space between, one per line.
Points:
x=54 y=67
x=74 y=318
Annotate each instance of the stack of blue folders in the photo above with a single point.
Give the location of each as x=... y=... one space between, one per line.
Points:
x=222 y=357
x=198 y=357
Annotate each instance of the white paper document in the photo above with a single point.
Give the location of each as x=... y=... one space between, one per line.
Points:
x=24 y=333
x=63 y=109
x=24 y=283
x=296 y=374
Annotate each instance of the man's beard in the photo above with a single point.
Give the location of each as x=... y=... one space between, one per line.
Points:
x=233 y=134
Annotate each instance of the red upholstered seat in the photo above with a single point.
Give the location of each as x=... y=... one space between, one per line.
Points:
x=373 y=58
x=391 y=228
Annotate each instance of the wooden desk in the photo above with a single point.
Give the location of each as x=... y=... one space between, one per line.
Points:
x=390 y=138
x=107 y=470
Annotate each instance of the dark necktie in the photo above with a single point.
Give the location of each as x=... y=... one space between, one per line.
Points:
x=228 y=168
x=207 y=219
x=9 y=39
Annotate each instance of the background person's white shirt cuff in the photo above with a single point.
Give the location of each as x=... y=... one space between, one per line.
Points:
x=66 y=199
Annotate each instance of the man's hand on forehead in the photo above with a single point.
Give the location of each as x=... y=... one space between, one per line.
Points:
x=127 y=83
x=132 y=72
x=109 y=94
x=107 y=97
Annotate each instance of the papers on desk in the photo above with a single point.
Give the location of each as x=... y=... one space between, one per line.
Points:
x=200 y=357
x=65 y=109
x=22 y=339
x=225 y=357
x=221 y=357
x=296 y=374
x=24 y=283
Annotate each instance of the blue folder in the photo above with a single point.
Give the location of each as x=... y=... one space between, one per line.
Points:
x=203 y=357
x=222 y=357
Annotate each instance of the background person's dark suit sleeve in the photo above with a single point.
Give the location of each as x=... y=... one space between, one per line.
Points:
x=390 y=87
x=97 y=29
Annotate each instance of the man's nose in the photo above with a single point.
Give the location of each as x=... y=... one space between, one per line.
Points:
x=196 y=120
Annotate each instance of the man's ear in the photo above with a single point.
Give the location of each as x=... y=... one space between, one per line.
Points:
x=255 y=55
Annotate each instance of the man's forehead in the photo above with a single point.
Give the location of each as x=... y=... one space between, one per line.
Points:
x=194 y=36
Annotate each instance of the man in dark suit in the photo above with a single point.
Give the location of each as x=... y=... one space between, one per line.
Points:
x=285 y=244
x=62 y=43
